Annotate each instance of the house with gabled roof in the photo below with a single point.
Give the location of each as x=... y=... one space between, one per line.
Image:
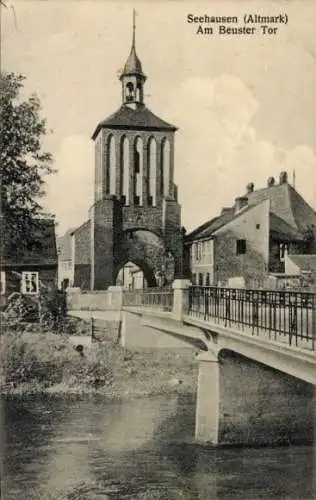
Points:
x=252 y=238
x=31 y=267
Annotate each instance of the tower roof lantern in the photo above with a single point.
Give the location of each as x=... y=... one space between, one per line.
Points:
x=133 y=66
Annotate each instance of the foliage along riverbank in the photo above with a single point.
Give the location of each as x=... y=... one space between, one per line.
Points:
x=44 y=362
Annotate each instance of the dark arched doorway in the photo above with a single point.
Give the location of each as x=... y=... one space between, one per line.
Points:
x=143 y=249
x=132 y=277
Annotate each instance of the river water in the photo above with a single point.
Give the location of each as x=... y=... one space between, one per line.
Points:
x=89 y=448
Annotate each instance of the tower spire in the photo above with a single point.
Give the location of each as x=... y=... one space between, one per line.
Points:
x=132 y=77
x=134 y=29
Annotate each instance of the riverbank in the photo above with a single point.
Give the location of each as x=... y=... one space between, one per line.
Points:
x=46 y=363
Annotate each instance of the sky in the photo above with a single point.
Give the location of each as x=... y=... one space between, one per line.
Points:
x=245 y=106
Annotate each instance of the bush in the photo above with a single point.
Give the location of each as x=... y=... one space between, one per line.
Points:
x=43 y=358
x=21 y=308
x=48 y=309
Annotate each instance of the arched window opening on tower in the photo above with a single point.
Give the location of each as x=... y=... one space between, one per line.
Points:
x=98 y=170
x=138 y=92
x=165 y=167
x=124 y=170
x=138 y=171
x=111 y=164
x=129 y=92
x=151 y=172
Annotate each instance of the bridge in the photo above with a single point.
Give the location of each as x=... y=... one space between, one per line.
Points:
x=256 y=355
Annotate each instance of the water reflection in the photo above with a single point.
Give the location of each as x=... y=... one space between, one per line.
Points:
x=137 y=449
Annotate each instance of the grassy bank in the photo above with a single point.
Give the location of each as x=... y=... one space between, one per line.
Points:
x=35 y=362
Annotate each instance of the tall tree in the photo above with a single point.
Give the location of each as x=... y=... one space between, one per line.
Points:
x=23 y=163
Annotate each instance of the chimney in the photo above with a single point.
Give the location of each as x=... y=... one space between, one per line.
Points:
x=240 y=203
x=226 y=210
x=271 y=181
x=250 y=187
x=283 y=177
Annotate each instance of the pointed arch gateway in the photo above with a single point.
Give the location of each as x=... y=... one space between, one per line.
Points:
x=133 y=273
x=148 y=251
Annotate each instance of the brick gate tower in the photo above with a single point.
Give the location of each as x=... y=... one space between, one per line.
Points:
x=136 y=216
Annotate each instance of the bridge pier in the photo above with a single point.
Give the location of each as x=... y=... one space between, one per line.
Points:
x=243 y=402
x=207 y=406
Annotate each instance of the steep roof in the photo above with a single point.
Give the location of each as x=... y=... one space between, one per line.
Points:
x=134 y=119
x=133 y=66
x=42 y=253
x=208 y=228
x=304 y=262
x=286 y=203
x=280 y=228
x=290 y=214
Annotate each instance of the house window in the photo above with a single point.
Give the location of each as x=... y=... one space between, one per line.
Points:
x=207 y=279
x=283 y=251
x=30 y=283
x=2 y=283
x=200 y=279
x=194 y=279
x=240 y=247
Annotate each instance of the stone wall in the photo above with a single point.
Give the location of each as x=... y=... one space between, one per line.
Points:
x=94 y=301
x=142 y=217
x=144 y=249
x=82 y=261
x=104 y=216
x=172 y=232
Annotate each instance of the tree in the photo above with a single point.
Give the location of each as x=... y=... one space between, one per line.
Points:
x=23 y=164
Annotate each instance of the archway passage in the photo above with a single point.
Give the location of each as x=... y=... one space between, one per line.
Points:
x=132 y=277
x=142 y=249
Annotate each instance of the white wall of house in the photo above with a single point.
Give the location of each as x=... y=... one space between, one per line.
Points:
x=65 y=272
x=202 y=262
x=241 y=247
x=290 y=266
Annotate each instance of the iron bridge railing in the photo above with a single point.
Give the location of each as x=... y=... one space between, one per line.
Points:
x=282 y=315
x=160 y=299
